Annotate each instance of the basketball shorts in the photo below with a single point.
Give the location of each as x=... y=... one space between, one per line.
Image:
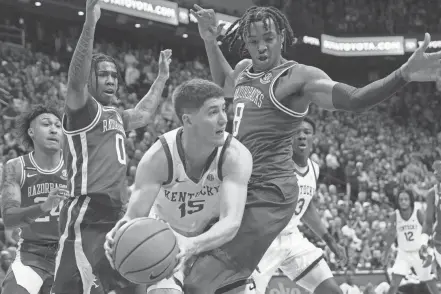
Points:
x=176 y=282
x=32 y=269
x=81 y=265
x=270 y=206
x=296 y=257
x=406 y=260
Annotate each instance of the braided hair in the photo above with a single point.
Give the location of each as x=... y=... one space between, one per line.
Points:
x=97 y=59
x=241 y=27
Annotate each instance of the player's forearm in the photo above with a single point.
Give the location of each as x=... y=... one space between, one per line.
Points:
x=219 y=67
x=220 y=233
x=349 y=98
x=312 y=219
x=15 y=217
x=145 y=110
x=79 y=68
x=137 y=206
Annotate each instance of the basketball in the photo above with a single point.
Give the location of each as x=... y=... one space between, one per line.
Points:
x=145 y=251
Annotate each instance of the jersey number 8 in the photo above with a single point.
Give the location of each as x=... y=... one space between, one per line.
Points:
x=238 y=113
x=55 y=212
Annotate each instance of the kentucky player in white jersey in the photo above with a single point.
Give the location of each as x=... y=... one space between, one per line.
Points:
x=406 y=224
x=191 y=177
x=291 y=252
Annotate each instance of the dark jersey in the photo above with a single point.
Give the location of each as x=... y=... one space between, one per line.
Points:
x=35 y=185
x=96 y=158
x=263 y=124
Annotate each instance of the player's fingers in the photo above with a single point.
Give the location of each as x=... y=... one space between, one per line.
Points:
x=109 y=258
x=195 y=14
x=220 y=27
x=425 y=44
x=197 y=7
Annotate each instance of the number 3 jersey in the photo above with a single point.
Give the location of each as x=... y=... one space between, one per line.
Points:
x=307 y=185
x=189 y=206
x=96 y=158
x=35 y=185
x=408 y=232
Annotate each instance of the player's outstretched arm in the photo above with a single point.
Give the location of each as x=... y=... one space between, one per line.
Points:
x=79 y=68
x=312 y=219
x=13 y=214
x=209 y=30
x=145 y=110
x=151 y=173
x=236 y=171
x=331 y=95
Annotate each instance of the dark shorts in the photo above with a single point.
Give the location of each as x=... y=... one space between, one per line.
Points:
x=32 y=270
x=270 y=206
x=81 y=265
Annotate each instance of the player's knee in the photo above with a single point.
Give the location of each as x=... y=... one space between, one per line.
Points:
x=165 y=291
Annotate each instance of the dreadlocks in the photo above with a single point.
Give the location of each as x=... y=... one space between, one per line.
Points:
x=241 y=27
x=97 y=59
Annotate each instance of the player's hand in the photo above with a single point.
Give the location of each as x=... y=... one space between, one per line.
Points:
x=187 y=250
x=93 y=11
x=207 y=23
x=54 y=198
x=164 y=63
x=422 y=66
x=110 y=241
x=425 y=255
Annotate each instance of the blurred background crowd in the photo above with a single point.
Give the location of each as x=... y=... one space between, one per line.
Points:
x=365 y=159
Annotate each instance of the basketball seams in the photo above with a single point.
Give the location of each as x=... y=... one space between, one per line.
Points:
x=116 y=245
x=165 y=257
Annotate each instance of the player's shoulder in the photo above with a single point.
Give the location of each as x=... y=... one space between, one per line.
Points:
x=13 y=168
x=307 y=72
x=241 y=65
x=155 y=162
x=237 y=158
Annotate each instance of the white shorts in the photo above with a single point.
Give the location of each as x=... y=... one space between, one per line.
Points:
x=174 y=282
x=411 y=259
x=292 y=254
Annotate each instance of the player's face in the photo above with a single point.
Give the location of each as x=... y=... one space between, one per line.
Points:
x=404 y=200
x=104 y=83
x=46 y=132
x=264 y=43
x=210 y=121
x=302 y=144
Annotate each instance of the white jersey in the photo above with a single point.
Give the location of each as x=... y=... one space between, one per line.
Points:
x=409 y=232
x=186 y=204
x=307 y=185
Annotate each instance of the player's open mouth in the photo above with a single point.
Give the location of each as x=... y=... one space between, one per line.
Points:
x=263 y=58
x=221 y=132
x=302 y=146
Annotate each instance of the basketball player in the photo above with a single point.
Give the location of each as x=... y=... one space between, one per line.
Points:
x=33 y=187
x=406 y=224
x=191 y=176
x=272 y=95
x=431 y=221
x=291 y=252
x=96 y=158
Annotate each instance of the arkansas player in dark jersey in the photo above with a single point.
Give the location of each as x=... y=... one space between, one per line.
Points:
x=432 y=221
x=33 y=186
x=272 y=95
x=96 y=161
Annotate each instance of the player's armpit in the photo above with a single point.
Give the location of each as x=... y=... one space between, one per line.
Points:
x=151 y=173
x=77 y=119
x=236 y=169
x=145 y=110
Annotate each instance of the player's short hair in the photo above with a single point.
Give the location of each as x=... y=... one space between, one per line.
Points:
x=25 y=120
x=411 y=198
x=241 y=27
x=311 y=122
x=97 y=59
x=192 y=94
